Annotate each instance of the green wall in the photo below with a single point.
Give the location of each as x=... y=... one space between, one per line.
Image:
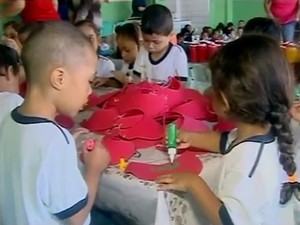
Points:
x=234 y=10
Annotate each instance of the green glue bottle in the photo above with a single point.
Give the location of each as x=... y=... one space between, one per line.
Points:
x=172 y=142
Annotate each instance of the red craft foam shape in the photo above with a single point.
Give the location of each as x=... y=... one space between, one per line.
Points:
x=193 y=108
x=147 y=129
x=150 y=104
x=190 y=124
x=64 y=121
x=129 y=119
x=142 y=143
x=98 y=100
x=118 y=149
x=224 y=126
x=102 y=119
x=184 y=163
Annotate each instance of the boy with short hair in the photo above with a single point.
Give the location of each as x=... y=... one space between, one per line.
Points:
x=159 y=59
x=40 y=182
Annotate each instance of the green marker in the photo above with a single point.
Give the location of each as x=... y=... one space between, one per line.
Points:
x=172 y=142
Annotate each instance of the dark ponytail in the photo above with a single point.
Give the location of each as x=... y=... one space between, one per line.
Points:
x=280 y=120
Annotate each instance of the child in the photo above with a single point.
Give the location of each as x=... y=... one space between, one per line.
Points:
x=252 y=86
x=11 y=72
x=40 y=182
x=159 y=59
x=11 y=31
x=128 y=37
x=262 y=25
x=106 y=69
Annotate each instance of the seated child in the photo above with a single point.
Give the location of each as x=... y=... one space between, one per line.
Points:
x=262 y=25
x=106 y=69
x=258 y=156
x=159 y=59
x=11 y=72
x=128 y=37
x=40 y=182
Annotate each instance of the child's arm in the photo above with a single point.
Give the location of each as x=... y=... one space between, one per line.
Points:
x=209 y=203
x=11 y=8
x=96 y=162
x=211 y=141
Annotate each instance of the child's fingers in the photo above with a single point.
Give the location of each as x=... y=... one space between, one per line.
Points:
x=166 y=187
x=165 y=179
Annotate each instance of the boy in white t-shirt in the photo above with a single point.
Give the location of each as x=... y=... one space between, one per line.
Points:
x=11 y=74
x=40 y=182
x=159 y=59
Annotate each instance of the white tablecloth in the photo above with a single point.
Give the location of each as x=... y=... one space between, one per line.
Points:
x=141 y=202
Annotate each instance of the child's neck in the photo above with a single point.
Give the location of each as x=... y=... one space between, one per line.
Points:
x=245 y=130
x=158 y=55
x=10 y=89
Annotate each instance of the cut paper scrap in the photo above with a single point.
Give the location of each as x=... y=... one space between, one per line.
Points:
x=64 y=121
x=100 y=120
x=147 y=129
x=118 y=149
x=184 y=163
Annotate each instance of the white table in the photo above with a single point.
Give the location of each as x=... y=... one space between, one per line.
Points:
x=140 y=201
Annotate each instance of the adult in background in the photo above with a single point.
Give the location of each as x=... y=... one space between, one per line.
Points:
x=31 y=11
x=86 y=10
x=286 y=13
x=138 y=7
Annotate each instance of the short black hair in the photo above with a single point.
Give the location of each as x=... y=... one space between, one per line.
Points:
x=55 y=44
x=17 y=25
x=129 y=30
x=263 y=25
x=88 y=23
x=157 y=19
x=9 y=57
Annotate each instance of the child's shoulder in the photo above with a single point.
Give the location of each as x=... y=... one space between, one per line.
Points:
x=177 y=49
x=9 y=100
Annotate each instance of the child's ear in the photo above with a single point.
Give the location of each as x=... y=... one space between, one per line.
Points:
x=58 y=78
x=9 y=75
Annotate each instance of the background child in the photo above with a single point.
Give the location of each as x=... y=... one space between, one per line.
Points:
x=256 y=94
x=159 y=59
x=262 y=25
x=38 y=158
x=11 y=31
x=11 y=73
x=128 y=37
x=106 y=69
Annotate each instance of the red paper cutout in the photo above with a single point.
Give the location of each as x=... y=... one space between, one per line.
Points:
x=102 y=119
x=192 y=108
x=184 y=163
x=118 y=149
x=224 y=126
x=129 y=119
x=147 y=129
x=98 y=100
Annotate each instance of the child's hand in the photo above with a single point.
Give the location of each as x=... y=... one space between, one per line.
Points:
x=295 y=111
x=182 y=139
x=99 y=81
x=176 y=182
x=97 y=159
x=79 y=131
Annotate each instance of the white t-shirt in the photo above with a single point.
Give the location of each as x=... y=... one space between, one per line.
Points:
x=40 y=182
x=251 y=181
x=105 y=67
x=8 y=101
x=173 y=63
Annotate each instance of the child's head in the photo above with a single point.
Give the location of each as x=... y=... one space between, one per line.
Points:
x=262 y=25
x=216 y=35
x=253 y=84
x=180 y=37
x=240 y=31
x=241 y=23
x=11 y=29
x=60 y=63
x=11 y=70
x=204 y=35
x=89 y=29
x=157 y=26
x=128 y=37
